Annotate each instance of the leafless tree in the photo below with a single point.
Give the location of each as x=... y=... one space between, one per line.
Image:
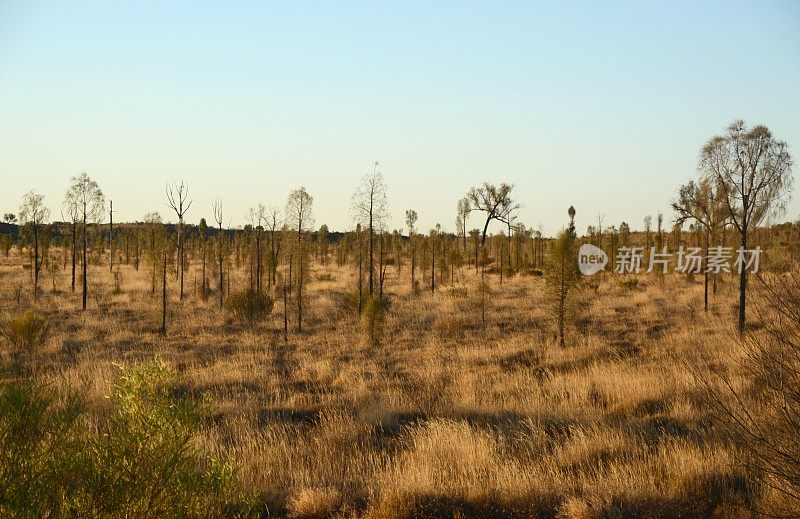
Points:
x=217 y=208
x=369 y=209
x=202 y=231
x=111 y=236
x=601 y=218
x=178 y=200
x=73 y=211
x=163 y=330
x=360 y=248
x=434 y=243
x=760 y=410
x=754 y=171
x=411 y=221
x=462 y=213
x=299 y=217
x=274 y=224
x=258 y=219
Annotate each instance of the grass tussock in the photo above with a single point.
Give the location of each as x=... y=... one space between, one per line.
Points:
x=26 y=332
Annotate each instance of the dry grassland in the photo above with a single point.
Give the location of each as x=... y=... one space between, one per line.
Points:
x=443 y=418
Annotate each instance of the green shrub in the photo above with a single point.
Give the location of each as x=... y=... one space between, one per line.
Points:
x=373 y=319
x=139 y=459
x=249 y=306
x=26 y=332
x=143 y=462
x=41 y=450
x=325 y=277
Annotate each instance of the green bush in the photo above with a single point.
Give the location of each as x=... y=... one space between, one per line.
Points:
x=136 y=460
x=373 y=319
x=143 y=462
x=41 y=459
x=26 y=332
x=249 y=306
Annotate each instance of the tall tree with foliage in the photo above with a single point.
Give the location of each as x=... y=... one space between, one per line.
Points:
x=754 y=172
x=34 y=214
x=86 y=195
x=154 y=230
x=703 y=204
x=495 y=202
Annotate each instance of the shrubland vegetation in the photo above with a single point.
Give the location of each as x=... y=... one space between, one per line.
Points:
x=277 y=370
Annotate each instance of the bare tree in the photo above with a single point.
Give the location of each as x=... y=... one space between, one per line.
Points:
x=163 y=330
x=258 y=218
x=754 y=171
x=111 y=236
x=202 y=231
x=411 y=221
x=274 y=224
x=217 y=208
x=178 y=200
x=601 y=218
x=462 y=213
x=495 y=201
x=434 y=242
x=86 y=195
x=759 y=404
x=360 y=248
x=299 y=216
x=33 y=213
x=369 y=209
x=73 y=211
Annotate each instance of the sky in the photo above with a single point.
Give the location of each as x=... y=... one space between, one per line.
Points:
x=600 y=105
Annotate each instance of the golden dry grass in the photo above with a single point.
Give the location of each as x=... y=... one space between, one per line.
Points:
x=443 y=418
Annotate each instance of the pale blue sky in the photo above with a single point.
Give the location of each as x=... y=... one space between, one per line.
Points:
x=603 y=105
